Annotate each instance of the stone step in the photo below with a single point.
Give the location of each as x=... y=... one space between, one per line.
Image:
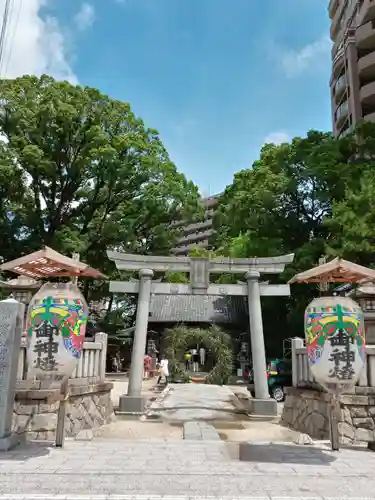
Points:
x=200 y=431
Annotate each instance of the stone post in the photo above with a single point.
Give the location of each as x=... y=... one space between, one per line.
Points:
x=133 y=402
x=262 y=404
x=12 y=315
x=297 y=343
x=103 y=339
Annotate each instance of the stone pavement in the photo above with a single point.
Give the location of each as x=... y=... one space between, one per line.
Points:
x=136 y=430
x=196 y=402
x=120 y=387
x=180 y=470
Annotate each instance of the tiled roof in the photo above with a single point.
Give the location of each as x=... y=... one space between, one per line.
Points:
x=197 y=308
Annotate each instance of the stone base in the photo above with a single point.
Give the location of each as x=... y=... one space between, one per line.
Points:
x=264 y=407
x=307 y=410
x=10 y=442
x=132 y=404
x=35 y=410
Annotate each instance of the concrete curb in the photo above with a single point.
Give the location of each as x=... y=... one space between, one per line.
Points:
x=159 y=497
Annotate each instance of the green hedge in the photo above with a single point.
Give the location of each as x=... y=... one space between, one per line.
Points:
x=181 y=338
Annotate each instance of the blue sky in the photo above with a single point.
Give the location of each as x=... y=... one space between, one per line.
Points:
x=217 y=78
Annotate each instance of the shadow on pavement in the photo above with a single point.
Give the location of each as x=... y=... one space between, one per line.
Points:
x=27 y=450
x=283 y=453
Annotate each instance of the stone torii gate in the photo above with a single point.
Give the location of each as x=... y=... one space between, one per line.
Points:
x=199 y=270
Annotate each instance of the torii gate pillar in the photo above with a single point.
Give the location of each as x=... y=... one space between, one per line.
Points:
x=262 y=404
x=199 y=270
x=133 y=400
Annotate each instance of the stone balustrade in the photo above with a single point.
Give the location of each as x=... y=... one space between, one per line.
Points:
x=91 y=365
x=303 y=378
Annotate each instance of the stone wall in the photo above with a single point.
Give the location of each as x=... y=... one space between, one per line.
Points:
x=306 y=410
x=35 y=410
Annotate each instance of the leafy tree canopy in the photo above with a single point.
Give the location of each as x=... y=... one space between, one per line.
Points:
x=80 y=173
x=310 y=197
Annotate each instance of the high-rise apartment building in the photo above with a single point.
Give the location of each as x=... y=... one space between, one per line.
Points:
x=198 y=234
x=353 y=63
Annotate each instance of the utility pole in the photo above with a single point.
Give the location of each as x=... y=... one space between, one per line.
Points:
x=75 y=257
x=3 y=32
x=323 y=287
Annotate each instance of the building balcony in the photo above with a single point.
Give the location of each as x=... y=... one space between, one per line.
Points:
x=211 y=201
x=341 y=113
x=346 y=132
x=195 y=238
x=336 y=24
x=366 y=67
x=183 y=250
x=365 y=36
x=198 y=226
x=366 y=12
x=370 y=117
x=336 y=47
x=345 y=16
x=367 y=94
x=332 y=7
x=338 y=63
x=339 y=88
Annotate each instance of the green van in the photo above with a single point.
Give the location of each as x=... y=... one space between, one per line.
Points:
x=279 y=376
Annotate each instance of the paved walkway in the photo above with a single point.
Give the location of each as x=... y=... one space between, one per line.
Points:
x=136 y=430
x=196 y=402
x=120 y=387
x=145 y=470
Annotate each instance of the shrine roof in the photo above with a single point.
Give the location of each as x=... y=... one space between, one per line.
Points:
x=364 y=289
x=22 y=283
x=336 y=271
x=48 y=263
x=197 y=309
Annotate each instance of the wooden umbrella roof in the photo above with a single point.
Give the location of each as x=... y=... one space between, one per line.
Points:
x=336 y=271
x=47 y=263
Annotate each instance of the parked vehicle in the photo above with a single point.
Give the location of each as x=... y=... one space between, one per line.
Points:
x=279 y=376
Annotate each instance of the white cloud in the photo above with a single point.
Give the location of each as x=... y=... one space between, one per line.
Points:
x=85 y=17
x=34 y=44
x=277 y=138
x=294 y=62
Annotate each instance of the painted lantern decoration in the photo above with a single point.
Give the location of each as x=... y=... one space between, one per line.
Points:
x=335 y=341
x=56 y=326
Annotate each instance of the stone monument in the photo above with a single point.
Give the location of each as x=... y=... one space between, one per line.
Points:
x=11 y=324
x=199 y=270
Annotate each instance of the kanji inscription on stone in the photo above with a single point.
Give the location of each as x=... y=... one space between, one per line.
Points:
x=11 y=318
x=46 y=347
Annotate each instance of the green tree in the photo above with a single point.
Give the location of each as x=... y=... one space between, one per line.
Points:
x=81 y=173
x=94 y=177
x=280 y=206
x=11 y=189
x=352 y=225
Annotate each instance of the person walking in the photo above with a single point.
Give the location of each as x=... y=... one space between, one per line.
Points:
x=147 y=366
x=195 y=360
x=202 y=355
x=187 y=360
x=163 y=370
